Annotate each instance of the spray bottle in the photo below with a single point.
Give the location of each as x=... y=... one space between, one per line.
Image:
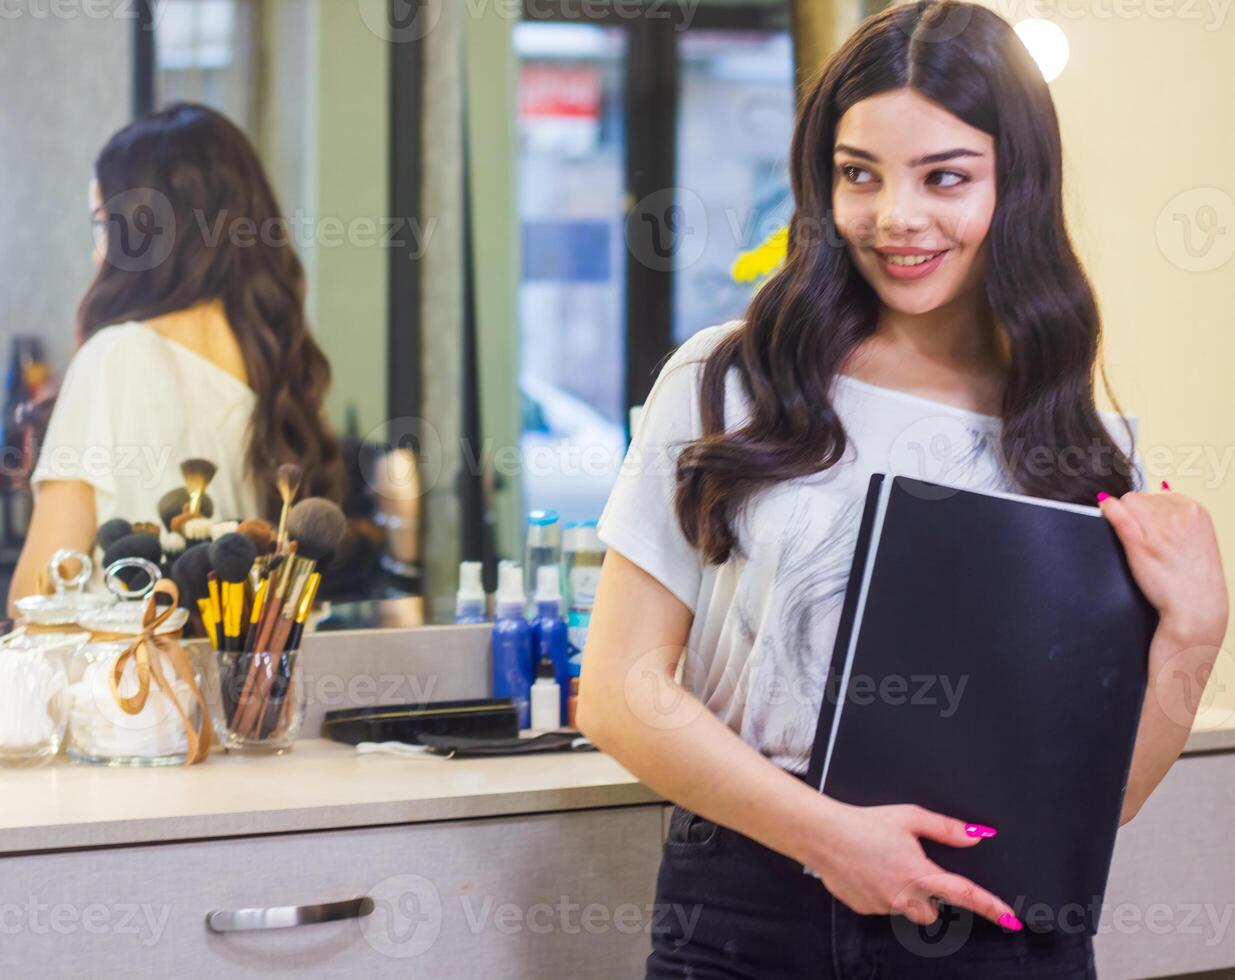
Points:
x=549 y=629
x=470 y=600
x=513 y=665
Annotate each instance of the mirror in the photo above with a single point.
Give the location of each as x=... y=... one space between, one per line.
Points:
x=494 y=266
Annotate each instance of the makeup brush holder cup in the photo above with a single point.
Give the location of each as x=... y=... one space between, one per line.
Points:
x=261 y=702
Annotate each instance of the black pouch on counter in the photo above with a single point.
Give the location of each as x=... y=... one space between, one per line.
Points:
x=478 y=718
x=563 y=741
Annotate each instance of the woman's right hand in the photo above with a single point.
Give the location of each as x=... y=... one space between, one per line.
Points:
x=872 y=861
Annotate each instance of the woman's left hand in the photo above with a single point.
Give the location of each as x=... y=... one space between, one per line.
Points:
x=1172 y=551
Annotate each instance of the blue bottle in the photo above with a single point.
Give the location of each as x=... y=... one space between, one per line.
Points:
x=513 y=665
x=549 y=631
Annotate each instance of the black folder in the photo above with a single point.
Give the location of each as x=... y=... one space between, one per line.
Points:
x=990 y=664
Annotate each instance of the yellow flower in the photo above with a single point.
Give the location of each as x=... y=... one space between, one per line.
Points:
x=762 y=260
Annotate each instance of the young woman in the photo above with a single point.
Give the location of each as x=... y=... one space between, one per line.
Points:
x=193 y=343
x=931 y=319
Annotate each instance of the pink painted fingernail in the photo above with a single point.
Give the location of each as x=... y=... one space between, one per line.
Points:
x=1010 y=921
x=980 y=830
x=1102 y=495
x=1165 y=485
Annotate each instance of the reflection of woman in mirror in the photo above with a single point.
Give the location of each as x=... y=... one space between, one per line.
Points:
x=193 y=343
x=930 y=298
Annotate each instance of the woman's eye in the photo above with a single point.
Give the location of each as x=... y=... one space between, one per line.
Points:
x=946 y=175
x=849 y=170
x=938 y=178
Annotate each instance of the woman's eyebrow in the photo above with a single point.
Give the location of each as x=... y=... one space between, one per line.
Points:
x=919 y=162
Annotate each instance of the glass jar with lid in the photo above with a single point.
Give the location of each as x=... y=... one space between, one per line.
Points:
x=106 y=671
x=68 y=602
x=34 y=700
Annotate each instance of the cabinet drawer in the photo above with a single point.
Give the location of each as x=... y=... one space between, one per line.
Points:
x=543 y=896
x=1169 y=900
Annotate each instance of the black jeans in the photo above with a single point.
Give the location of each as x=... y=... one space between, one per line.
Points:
x=728 y=907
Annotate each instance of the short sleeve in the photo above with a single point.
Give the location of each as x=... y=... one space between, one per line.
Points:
x=80 y=438
x=640 y=519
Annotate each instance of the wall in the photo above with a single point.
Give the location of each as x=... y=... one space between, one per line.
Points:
x=1149 y=166
x=352 y=194
x=442 y=299
x=492 y=93
x=72 y=75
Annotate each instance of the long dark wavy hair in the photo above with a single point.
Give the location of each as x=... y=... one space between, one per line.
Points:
x=179 y=182
x=817 y=308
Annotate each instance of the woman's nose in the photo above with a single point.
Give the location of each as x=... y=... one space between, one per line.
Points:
x=900 y=211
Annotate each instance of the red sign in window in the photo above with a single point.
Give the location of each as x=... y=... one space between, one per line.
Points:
x=547 y=91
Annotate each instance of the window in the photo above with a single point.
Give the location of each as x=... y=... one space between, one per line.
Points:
x=204 y=52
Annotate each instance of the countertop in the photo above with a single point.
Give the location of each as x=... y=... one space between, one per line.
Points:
x=320 y=785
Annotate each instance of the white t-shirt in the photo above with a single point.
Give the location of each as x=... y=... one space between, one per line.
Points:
x=765 y=621
x=132 y=407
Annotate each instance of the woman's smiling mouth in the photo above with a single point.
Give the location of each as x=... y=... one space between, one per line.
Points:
x=909 y=263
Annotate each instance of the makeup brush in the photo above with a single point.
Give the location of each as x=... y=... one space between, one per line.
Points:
x=303 y=609
x=174 y=503
x=147 y=527
x=133 y=546
x=279 y=657
x=260 y=532
x=216 y=606
x=317 y=525
x=196 y=529
x=277 y=699
x=217 y=530
x=281 y=580
x=110 y=532
x=287 y=618
x=287 y=482
x=197 y=475
x=238 y=676
x=255 y=612
x=232 y=556
x=277 y=706
x=183 y=518
x=191 y=573
x=173 y=544
x=259 y=673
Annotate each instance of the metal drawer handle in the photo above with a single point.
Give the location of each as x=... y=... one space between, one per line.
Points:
x=287 y=916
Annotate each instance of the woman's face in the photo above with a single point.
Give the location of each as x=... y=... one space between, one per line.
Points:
x=99 y=222
x=913 y=181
